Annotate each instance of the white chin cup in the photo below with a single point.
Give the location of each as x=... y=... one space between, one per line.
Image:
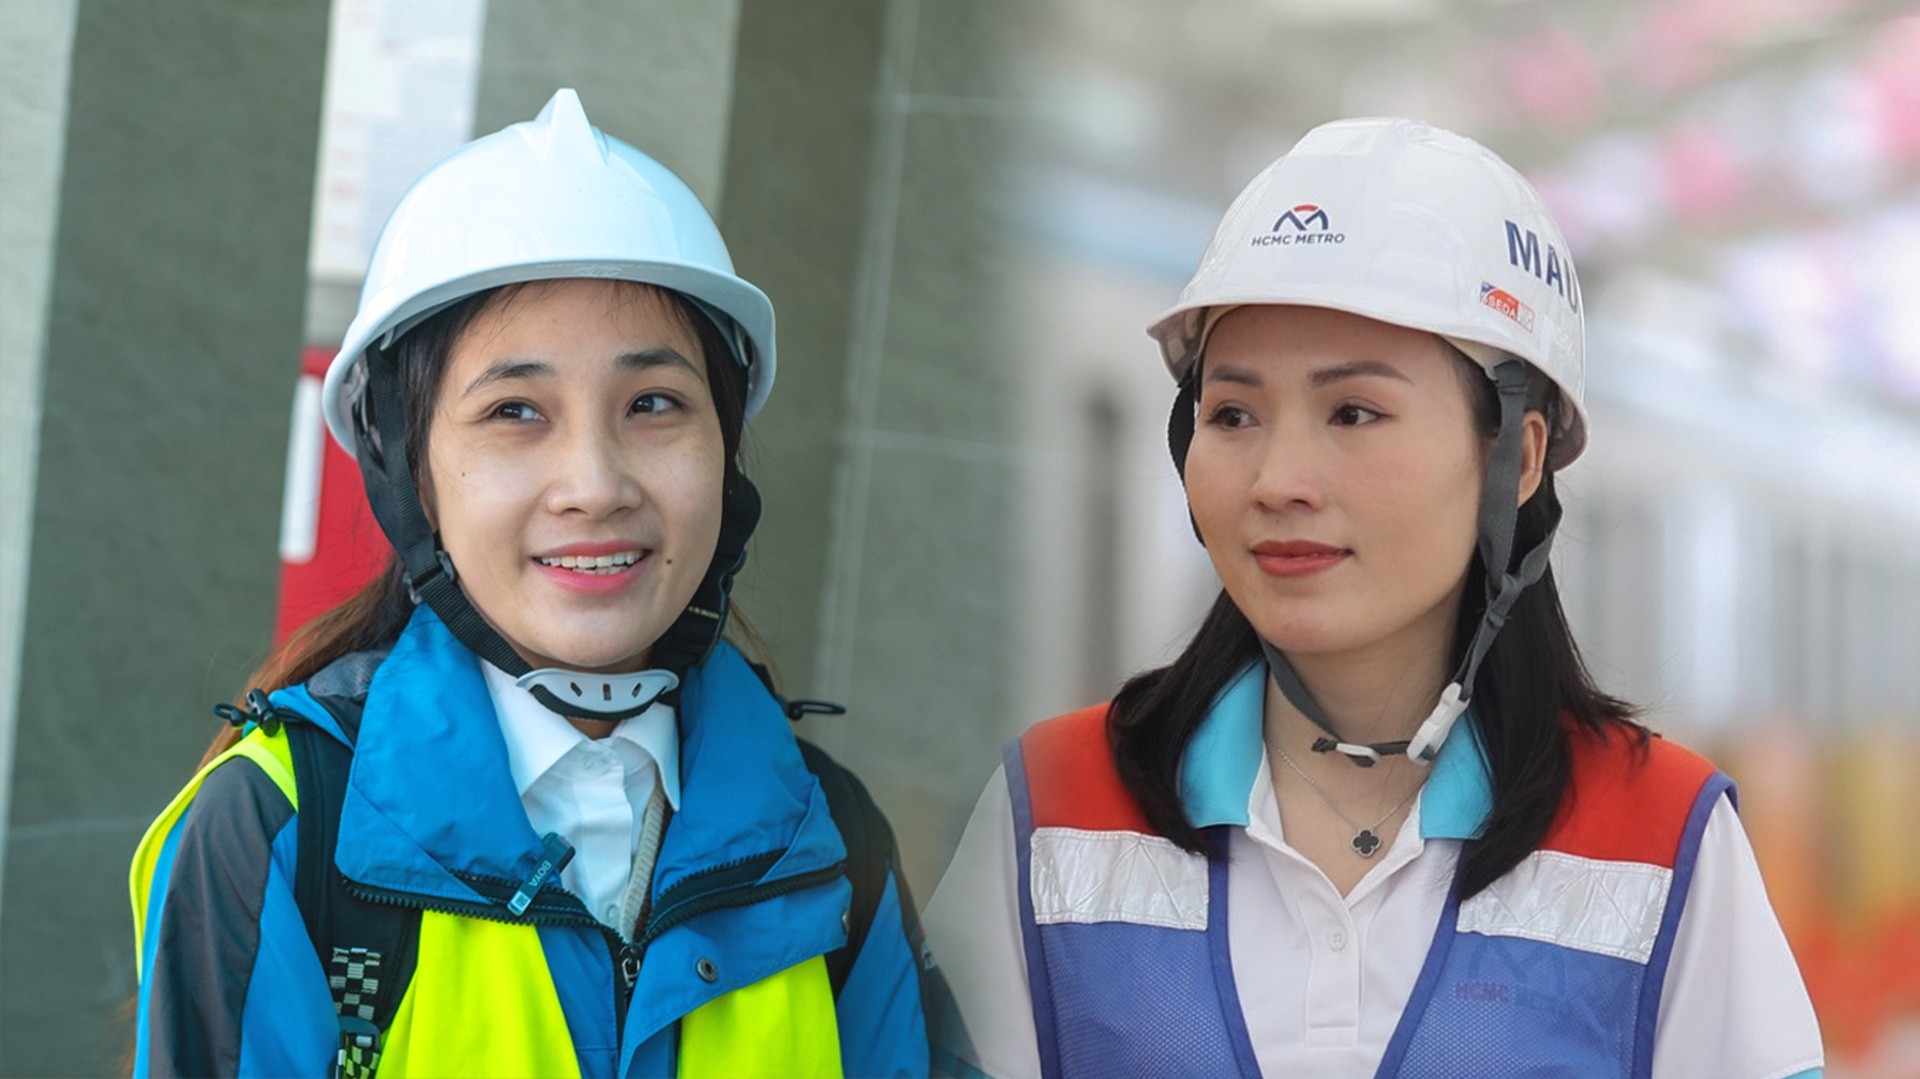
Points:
x=601 y=693
x=1433 y=733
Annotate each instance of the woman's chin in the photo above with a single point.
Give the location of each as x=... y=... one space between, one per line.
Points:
x=592 y=656
x=1305 y=638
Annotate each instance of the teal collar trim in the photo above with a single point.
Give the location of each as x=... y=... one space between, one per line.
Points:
x=1223 y=759
x=1459 y=794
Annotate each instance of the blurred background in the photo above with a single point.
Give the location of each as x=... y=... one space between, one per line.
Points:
x=965 y=211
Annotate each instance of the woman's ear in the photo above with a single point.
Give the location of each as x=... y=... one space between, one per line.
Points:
x=1533 y=453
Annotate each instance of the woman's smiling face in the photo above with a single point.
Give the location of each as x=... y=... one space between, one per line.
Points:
x=574 y=472
x=1336 y=476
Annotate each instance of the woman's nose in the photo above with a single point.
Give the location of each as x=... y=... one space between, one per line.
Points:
x=594 y=477
x=1290 y=473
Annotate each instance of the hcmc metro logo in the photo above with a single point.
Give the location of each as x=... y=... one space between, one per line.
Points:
x=1304 y=224
x=1303 y=215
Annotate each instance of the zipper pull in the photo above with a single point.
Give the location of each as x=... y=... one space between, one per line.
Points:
x=629 y=967
x=555 y=853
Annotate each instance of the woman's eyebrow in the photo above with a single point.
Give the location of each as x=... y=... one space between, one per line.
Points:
x=1327 y=376
x=508 y=369
x=1227 y=372
x=503 y=370
x=654 y=357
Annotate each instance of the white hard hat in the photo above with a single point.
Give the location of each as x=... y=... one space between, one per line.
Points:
x=1409 y=224
x=550 y=198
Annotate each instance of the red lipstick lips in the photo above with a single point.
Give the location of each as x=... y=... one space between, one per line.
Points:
x=1297 y=558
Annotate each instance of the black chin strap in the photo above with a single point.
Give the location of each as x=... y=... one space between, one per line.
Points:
x=396 y=505
x=1186 y=405
x=1364 y=754
x=1499 y=515
x=431 y=578
x=688 y=641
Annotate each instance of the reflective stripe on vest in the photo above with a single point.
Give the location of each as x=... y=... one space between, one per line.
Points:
x=1558 y=965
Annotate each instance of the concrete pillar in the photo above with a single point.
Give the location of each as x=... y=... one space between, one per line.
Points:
x=867 y=193
x=170 y=264
x=34 y=58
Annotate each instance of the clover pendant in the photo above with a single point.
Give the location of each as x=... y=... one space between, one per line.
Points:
x=1365 y=843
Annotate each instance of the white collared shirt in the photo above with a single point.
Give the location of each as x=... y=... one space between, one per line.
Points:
x=1323 y=978
x=592 y=792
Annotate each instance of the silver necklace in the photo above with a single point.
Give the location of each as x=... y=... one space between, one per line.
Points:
x=1366 y=838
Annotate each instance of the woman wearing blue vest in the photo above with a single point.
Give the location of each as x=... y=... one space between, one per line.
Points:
x=1376 y=819
x=517 y=808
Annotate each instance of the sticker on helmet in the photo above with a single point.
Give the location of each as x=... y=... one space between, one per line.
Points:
x=1304 y=224
x=1507 y=304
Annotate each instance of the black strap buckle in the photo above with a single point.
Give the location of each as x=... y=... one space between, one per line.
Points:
x=416 y=589
x=259 y=712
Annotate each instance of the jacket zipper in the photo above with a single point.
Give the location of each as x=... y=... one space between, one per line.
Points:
x=716 y=888
x=566 y=909
x=706 y=901
x=720 y=895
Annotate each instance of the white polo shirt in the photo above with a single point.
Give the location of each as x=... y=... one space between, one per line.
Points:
x=592 y=792
x=1323 y=978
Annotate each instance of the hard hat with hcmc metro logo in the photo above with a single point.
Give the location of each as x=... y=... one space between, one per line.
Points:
x=1405 y=223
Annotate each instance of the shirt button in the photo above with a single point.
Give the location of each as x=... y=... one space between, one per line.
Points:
x=613 y=913
x=1337 y=939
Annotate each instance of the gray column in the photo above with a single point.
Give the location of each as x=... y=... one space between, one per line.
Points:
x=173 y=288
x=34 y=56
x=867 y=192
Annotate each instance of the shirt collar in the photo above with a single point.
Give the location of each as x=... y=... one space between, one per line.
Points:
x=1222 y=762
x=537 y=737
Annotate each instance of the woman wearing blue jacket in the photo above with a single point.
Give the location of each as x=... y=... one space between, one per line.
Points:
x=517 y=808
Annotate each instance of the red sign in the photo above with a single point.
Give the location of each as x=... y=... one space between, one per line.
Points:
x=330 y=545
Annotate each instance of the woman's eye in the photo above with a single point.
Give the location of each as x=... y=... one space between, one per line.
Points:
x=514 y=410
x=1354 y=416
x=1229 y=417
x=654 y=402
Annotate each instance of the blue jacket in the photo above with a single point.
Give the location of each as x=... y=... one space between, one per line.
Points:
x=230 y=981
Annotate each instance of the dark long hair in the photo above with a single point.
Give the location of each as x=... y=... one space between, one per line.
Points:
x=375 y=615
x=1532 y=687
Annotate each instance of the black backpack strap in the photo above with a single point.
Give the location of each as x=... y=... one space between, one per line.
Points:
x=870 y=853
x=369 y=949
x=873 y=855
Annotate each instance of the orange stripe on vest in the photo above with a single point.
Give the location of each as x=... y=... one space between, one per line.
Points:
x=1627 y=803
x=1071 y=778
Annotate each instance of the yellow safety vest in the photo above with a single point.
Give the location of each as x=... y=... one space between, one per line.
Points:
x=482 y=1001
